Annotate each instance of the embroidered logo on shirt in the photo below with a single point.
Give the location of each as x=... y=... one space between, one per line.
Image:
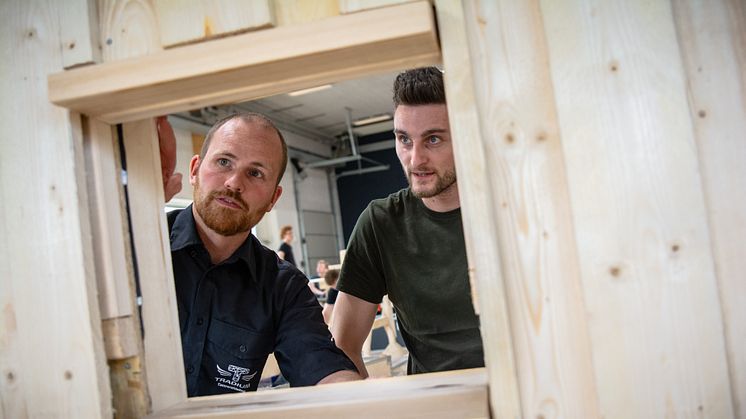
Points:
x=237 y=375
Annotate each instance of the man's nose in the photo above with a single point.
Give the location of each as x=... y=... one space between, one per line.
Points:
x=234 y=182
x=418 y=155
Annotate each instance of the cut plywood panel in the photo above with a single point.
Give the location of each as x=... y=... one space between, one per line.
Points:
x=52 y=361
x=127 y=29
x=528 y=186
x=291 y=12
x=338 y=48
x=639 y=213
x=165 y=374
x=712 y=38
x=79 y=33
x=187 y=21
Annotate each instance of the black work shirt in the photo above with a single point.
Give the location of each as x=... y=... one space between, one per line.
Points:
x=234 y=314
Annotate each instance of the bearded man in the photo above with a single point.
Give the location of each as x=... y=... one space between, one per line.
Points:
x=238 y=302
x=411 y=245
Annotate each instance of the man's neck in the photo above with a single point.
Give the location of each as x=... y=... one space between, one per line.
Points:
x=445 y=201
x=218 y=246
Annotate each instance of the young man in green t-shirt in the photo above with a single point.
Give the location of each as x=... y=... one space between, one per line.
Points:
x=410 y=245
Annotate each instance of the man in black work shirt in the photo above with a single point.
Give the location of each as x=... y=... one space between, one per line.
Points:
x=238 y=302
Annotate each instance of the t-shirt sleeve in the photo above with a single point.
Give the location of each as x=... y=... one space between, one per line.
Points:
x=304 y=347
x=362 y=272
x=331 y=296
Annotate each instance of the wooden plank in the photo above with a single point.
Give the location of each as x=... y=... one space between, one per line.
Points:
x=352 y=6
x=528 y=185
x=712 y=38
x=165 y=374
x=454 y=394
x=79 y=33
x=485 y=261
x=121 y=337
x=187 y=21
x=127 y=384
x=638 y=209
x=274 y=60
x=108 y=221
x=127 y=29
x=291 y=12
x=52 y=361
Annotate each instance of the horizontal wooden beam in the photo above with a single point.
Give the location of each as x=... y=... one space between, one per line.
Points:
x=252 y=65
x=439 y=395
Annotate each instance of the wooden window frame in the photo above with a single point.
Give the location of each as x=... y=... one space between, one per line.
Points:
x=251 y=66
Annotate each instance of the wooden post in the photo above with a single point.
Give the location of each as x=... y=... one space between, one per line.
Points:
x=52 y=360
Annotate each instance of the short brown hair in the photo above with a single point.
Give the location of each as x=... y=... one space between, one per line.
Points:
x=419 y=86
x=248 y=118
x=331 y=276
x=284 y=230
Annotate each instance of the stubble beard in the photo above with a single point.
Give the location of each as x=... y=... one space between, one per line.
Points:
x=441 y=184
x=222 y=220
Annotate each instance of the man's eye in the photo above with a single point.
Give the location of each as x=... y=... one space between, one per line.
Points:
x=256 y=173
x=223 y=162
x=434 y=140
x=404 y=140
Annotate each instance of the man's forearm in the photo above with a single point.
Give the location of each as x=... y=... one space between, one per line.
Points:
x=340 y=376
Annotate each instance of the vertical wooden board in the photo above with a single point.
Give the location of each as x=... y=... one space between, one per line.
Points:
x=290 y=12
x=52 y=362
x=712 y=38
x=638 y=209
x=128 y=28
x=489 y=294
x=79 y=33
x=351 y=6
x=186 y=21
x=515 y=101
x=164 y=366
x=108 y=221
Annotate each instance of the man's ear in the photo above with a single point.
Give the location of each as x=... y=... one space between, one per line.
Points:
x=278 y=192
x=193 y=168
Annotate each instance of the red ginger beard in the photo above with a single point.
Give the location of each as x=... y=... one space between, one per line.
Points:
x=224 y=221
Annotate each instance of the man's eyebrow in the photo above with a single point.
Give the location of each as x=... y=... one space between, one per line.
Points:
x=425 y=133
x=435 y=131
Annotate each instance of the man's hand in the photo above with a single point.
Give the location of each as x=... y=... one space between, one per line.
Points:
x=167 y=145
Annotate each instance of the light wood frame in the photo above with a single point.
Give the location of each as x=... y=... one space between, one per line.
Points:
x=234 y=69
x=602 y=146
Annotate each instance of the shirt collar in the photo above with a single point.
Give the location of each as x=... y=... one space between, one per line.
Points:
x=184 y=234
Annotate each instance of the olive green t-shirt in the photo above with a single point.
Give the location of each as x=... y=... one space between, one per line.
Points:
x=417 y=256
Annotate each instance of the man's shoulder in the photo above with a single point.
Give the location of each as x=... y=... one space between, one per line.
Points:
x=272 y=267
x=396 y=203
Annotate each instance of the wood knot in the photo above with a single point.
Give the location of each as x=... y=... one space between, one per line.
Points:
x=509 y=138
x=71 y=45
x=68 y=375
x=614 y=66
x=702 y=114
x=615 y=271
x=10 y=376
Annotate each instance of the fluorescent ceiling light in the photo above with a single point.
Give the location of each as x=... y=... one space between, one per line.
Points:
x=310 y=90
x=371 y=120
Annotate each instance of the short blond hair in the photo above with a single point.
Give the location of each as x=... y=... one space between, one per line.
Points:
x=284 y=230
